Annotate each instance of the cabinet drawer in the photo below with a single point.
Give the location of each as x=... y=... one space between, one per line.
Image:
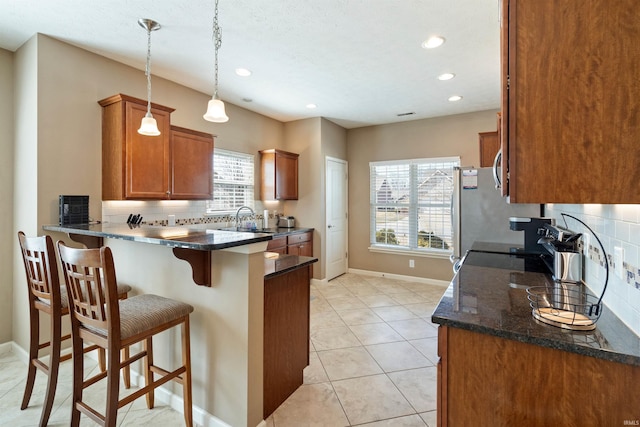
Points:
x=298 y=238
x=277 y=242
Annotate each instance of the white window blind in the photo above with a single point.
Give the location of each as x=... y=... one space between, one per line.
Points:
x=411 y=204
x=232 y=181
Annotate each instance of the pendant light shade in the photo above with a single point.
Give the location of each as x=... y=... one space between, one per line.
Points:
x=149 y=126
x=215 y=109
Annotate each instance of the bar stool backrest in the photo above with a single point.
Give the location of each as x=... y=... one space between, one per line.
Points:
x=91 y=284
x=41 y=268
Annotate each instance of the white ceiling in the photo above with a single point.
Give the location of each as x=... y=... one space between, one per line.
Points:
x=360 y=61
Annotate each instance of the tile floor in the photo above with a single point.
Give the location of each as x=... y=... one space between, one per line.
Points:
x=372 y=363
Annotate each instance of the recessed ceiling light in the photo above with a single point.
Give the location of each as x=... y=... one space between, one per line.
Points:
x=243 y=72
x=446 y=76
x=311 y=106
x=432 y=42
x=455 y=98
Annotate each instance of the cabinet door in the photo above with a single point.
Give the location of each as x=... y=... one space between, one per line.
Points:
x=572 y=130
x=191 y=164
x=146 y=157
x=286 y=176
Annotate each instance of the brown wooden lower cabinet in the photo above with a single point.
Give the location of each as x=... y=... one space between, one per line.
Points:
x=484 y=380
x=300 y=244
x=286 y=335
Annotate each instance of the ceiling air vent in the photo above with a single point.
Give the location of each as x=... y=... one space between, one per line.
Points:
x=406 y=114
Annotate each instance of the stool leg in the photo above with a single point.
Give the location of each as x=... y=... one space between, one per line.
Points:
x=34 y=342
x=186 y=378
x=148 y=375
x=54 y=365
x=78 y=379
x=102 y=360
x=113 y=385
x=126 y=372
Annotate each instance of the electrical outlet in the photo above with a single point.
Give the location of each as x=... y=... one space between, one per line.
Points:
x=618 y=260
x=412 y=264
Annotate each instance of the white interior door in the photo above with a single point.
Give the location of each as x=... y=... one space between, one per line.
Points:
x=336 y=217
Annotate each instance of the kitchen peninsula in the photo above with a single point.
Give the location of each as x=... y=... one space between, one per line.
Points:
x=500 y=366
x=236 y=311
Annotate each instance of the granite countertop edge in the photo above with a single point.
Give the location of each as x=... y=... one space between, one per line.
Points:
x=197 y=239
x=599 y=353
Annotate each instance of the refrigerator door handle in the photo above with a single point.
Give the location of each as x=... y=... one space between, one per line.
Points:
x=496 y=164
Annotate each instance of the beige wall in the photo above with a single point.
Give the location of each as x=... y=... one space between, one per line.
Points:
x=7 y=237
x=439 y=137
x=313 y=139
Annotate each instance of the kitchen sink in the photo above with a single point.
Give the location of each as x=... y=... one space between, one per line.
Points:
x=249 y=230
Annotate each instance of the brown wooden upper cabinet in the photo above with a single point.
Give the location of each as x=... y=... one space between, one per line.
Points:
x=570 y=128
x=489 y=145
x=279 y=175
x=177 y=164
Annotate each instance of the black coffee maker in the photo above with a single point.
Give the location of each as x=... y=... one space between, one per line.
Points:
x=533 y=229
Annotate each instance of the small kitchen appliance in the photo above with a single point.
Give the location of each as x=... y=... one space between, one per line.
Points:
x=74 y=209
x=286 y=222
x=533 y=228
x=562 y=255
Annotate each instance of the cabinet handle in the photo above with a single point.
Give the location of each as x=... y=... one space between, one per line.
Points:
x=496 y=164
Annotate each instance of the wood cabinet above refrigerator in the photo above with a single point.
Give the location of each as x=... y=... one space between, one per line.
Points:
x=279 y=175
x=570 y=123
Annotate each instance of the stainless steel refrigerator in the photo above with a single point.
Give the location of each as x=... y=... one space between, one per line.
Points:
x=480 y=213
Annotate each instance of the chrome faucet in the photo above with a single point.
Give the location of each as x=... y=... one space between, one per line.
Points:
x=238 y=213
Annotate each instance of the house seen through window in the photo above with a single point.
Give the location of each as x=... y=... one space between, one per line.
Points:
x=410 y=205
x=232 y=181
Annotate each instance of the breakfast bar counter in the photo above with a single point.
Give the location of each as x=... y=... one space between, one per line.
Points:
x=230 y=340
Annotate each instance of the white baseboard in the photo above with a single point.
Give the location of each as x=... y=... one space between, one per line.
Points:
x=426 y=280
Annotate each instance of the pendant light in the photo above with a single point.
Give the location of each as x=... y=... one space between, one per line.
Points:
x=215 y=109
x=149 y=126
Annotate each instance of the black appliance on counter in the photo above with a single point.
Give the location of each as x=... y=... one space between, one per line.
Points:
x=74 y=209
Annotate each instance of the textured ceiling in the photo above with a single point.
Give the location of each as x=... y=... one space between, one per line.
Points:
x=360 y=61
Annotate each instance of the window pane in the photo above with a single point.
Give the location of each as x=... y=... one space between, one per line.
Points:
x=411 y=203
x=232 y=181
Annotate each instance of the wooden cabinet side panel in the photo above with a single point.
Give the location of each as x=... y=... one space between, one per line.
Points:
x=489 y=144
x=268 y=182
x=286 y=335
x=191 y=165
x=495 y=381
x=113 y=151
x=147 y=157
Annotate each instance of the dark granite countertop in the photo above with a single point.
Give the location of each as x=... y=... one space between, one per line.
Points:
x=488 y=295
x=274 y=231
x=276 y=264
x=190 y=237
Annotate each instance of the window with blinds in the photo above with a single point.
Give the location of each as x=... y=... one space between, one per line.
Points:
x=232 y=181
x=411 y=204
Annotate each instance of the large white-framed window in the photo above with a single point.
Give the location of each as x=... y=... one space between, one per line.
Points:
x=410 y=209
x=233 y=181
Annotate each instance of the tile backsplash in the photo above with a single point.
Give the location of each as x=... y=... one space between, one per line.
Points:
x=156 y=212
x=617 y=227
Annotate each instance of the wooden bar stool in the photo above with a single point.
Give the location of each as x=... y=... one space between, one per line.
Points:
x=98 y=317
x=47 y=296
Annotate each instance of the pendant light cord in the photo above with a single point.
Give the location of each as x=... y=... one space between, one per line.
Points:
x=148 y=71
x=217 y=41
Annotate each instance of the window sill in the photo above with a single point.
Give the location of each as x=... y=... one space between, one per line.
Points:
x=444 y=254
